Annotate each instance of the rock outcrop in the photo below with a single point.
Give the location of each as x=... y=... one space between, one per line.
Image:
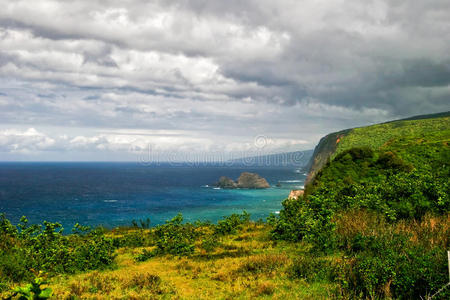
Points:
x=295 y=194
x=252 y=181
x=245 y=181
x=226 y=183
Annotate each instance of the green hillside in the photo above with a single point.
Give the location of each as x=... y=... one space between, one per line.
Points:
x=374 y=184
x=422 y=142
x=419 y=147
x=395 y=135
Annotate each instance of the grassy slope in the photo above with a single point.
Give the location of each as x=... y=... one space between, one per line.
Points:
x=375 y=136
x=247 y=265
x=410 y=139
x=422 y=143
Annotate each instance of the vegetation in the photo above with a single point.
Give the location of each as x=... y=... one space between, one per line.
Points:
x=390 y=177
x=45 y=248
x=234 y=258
x=248 y=263
x=33 y=290
x=373 y=224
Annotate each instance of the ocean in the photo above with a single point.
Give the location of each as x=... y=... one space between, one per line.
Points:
x=114 y=194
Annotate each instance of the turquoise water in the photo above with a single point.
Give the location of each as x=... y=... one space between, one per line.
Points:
x=113 y=194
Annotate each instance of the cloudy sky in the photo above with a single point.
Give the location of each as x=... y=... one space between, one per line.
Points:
x=111 y=80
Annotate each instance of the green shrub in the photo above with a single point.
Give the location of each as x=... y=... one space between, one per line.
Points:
x=174 y=237
x=14 y=266
x=210 y=243
x=134 y=238
x=393 y=266
x=33 y=290
x=230 y=224
x=145 y=255
x=389 y=160
x=307 y=220
x=37 y=247
x=356 y=153
x=95 y=252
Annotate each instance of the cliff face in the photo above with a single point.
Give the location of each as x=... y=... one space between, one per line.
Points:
x=326 y=147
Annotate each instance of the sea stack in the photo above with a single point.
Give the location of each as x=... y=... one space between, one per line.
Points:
x=245 y=181
x=252 y=181
x=226 y=183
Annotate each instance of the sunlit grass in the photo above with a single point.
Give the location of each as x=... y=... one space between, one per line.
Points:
x=246 y=265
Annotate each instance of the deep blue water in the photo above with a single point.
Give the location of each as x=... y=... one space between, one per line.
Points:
x=113 y=194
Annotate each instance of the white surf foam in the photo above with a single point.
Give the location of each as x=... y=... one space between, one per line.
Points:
x=291 y=181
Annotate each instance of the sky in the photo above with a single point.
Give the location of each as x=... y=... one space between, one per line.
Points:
x=208 y=80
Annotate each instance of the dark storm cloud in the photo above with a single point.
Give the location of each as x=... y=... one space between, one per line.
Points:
x=422 y=73
x=292 y=70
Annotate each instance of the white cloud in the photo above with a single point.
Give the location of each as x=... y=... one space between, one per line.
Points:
x=162 y=144
x=27 y=141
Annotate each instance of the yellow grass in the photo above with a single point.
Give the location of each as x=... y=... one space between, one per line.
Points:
x=247 y=266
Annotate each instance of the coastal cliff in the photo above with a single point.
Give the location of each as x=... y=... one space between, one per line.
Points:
x=375 y=136
x=322 y=152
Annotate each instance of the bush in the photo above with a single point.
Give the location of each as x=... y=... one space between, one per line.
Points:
x=174 y=237
x=230 y=224
x=356 y=153
x=45 y=248
x=391 y=265
x=145 y=255
x=14 y=266
x=95 y=252
x=33 y=290
x=389 y=160
x=307 y=220
x=380 y=205
x=210 y=243
x=134 y=238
